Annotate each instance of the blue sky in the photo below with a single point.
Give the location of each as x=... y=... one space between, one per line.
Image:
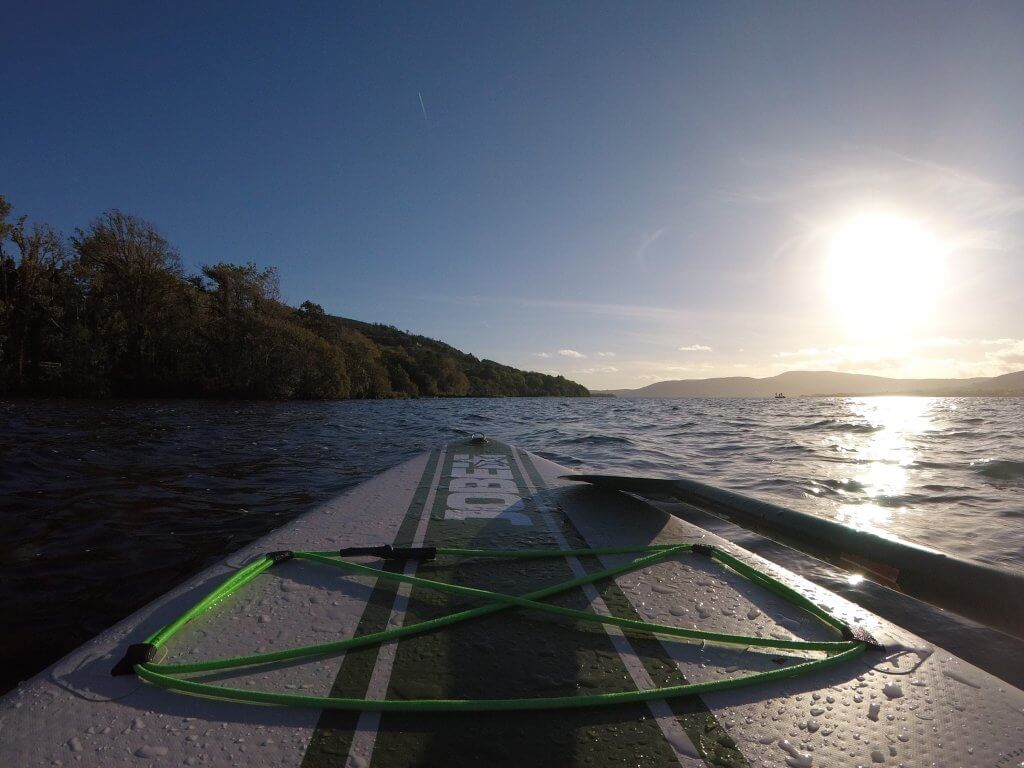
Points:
x=620 y=192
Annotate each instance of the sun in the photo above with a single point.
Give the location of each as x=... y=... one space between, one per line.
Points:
x=883 y=274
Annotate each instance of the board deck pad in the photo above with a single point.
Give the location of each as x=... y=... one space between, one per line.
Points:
x=911 y=704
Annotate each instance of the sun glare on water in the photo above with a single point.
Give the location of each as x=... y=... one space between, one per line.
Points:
x=883 y=274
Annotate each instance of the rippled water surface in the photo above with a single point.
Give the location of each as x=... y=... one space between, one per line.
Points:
x=105 y=505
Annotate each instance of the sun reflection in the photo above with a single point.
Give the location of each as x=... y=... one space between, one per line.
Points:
x=883 y=452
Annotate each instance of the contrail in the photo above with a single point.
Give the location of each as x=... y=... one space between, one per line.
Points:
x=423 y=108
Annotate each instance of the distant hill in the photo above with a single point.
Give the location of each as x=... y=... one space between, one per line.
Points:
x=806 y=383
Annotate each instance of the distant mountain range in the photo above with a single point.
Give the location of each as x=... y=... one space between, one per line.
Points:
x=825 y=383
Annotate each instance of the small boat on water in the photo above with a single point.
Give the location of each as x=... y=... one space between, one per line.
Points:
x=779 y=396
x=593 y=627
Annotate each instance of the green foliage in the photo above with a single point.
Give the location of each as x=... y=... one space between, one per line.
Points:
x=111 y=312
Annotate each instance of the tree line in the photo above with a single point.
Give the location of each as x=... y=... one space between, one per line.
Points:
x=111 y=312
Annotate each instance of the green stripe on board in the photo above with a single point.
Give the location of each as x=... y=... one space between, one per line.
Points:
x=707 y=734
x=332 y=738
x=517 y=653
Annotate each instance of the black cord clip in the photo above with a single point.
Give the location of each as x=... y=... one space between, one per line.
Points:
x=139 y=653
x=861 y=634
x=703 y=549
x=387 y=552
x=280 y=555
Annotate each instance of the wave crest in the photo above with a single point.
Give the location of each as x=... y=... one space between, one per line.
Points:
x=1000 y=469
x=835 y=425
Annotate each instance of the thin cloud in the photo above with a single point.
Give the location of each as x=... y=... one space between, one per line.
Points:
x=1010 y=357
x=542 y=354
x=423 y=109
x=641 y=252
x=942 y=342
x=570 y=353
x=596 y=308
x=999 y=342
x=696 y=348
x=606 y=354
x=805 y=352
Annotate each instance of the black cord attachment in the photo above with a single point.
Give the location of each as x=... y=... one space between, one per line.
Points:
x=387 y=552
x=280 y=555
x=861 y=634
x=139 y=653
x=703 y=549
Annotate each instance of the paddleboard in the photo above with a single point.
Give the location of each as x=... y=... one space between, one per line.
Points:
x=902 y=701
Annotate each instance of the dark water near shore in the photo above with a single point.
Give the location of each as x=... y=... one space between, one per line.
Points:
x=105 y=505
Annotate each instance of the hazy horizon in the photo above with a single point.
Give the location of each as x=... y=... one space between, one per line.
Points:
x=618 y=194
x=829 y=384
x=840 y=373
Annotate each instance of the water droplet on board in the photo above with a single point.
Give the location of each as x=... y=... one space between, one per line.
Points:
x=796 y=758
x=893 y=690
x=150 y=751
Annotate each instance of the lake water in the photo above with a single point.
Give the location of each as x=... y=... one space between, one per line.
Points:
x=106 y=505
